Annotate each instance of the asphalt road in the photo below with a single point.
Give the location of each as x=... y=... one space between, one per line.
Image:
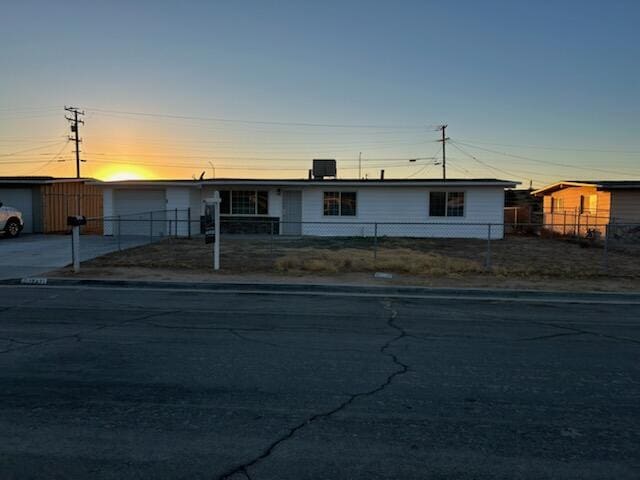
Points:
x=133 y=383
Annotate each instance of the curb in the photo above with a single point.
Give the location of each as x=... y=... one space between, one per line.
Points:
x=345 y=289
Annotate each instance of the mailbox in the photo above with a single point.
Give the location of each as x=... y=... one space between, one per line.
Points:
x=76 y=220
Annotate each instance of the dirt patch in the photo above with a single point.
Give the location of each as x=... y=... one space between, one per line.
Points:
x=517 y=261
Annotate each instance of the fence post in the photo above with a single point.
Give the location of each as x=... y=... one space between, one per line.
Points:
x=176 y=226
x=150 y=227
x=189 y=222
x=75 y=241
x=605 y=258
x=119 y=245
x=488 y=259
x=375 y=241
x=564 y=223
x=271 y=239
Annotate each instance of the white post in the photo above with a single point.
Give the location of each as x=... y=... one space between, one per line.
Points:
x=215 y=201
x=75 y=234
x=216 y=219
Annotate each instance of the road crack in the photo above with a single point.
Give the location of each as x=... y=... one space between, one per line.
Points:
x=580 y=331
x=78 y=335
x=401 y=369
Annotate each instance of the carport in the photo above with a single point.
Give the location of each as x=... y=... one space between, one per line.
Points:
x=45 y=202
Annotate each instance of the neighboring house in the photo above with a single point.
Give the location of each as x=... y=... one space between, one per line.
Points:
x=45 y=202
x=575 y=206
x=328 y=207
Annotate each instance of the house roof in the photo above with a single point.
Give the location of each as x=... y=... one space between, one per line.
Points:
x=599 y=184
x=484 y=182
x=42 y=180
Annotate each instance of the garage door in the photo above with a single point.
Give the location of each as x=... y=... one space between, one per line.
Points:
x=141 y=212
x=20 y=198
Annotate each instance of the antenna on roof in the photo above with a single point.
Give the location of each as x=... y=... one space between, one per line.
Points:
x=202 y=175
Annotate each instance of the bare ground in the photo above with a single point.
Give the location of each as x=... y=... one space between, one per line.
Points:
x=516 y=262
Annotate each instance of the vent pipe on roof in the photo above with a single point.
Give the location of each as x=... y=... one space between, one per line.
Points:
x=381 y=174
x=310 y=174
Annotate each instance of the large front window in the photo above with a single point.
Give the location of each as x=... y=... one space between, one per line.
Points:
x=244 y=202
x=339 y=204
x=446 y=204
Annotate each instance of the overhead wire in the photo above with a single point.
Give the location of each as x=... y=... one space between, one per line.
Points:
x=252 y=122
x=556 y=164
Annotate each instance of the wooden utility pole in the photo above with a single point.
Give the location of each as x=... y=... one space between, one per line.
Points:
x=75 y=122
x=444 y=139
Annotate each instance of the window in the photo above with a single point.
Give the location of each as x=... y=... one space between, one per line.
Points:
x=339 y=204
x=593 y=204
x=244 y=202
x=348 y=204
x=446 y=204
x=263 y=202
x=225 y=202
x=455 y=204
x=437 y=204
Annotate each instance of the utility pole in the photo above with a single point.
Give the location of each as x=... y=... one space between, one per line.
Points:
x=360 y=166
x=75 y=122
x=444 y=139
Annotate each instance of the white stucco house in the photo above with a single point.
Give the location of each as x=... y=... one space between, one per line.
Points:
x=325 y=207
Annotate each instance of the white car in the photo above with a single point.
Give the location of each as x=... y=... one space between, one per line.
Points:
x=10 y=221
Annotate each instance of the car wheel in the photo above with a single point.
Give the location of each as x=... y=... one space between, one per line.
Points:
x=12 y=228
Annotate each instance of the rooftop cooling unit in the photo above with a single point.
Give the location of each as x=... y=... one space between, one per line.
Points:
x=324 y=168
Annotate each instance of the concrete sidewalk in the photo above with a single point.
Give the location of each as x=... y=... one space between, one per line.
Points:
x=30 y=255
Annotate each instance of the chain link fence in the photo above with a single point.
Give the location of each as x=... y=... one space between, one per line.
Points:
x=255 y=244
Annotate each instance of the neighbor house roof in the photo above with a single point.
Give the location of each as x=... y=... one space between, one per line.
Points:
x=599 y=184
x=26 y=180
x=486 y=182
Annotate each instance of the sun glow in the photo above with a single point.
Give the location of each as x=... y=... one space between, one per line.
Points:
x=127 y=173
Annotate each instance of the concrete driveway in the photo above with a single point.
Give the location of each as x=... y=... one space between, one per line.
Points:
x=30 y=255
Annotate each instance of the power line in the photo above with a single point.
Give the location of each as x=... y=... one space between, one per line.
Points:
x=48 y=145
x=485 y=163
x=51 y=160
x=543 y=147
x=536 y=160
x=254 y=122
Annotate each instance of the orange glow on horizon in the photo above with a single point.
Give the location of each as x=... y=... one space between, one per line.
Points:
x=125 y=172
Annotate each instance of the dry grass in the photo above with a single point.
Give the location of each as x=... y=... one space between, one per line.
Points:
x=398 y=260
x=514 y=257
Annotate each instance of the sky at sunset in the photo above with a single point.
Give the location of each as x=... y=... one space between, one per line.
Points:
x=532 y=91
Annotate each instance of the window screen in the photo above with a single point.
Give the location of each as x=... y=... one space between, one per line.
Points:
x=446 y=204
x=243 y=202
x=455 y=204
x=332 y=203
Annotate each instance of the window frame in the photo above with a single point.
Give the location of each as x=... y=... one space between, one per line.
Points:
x=255 y=214
x=340 y=214
x=446 y=203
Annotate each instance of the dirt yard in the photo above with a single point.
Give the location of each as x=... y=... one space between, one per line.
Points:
x=517 y=260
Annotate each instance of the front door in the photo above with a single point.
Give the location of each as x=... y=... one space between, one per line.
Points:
x=292 y=212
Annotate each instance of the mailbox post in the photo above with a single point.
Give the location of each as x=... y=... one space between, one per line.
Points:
x=212 y=226
x=75 y=222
